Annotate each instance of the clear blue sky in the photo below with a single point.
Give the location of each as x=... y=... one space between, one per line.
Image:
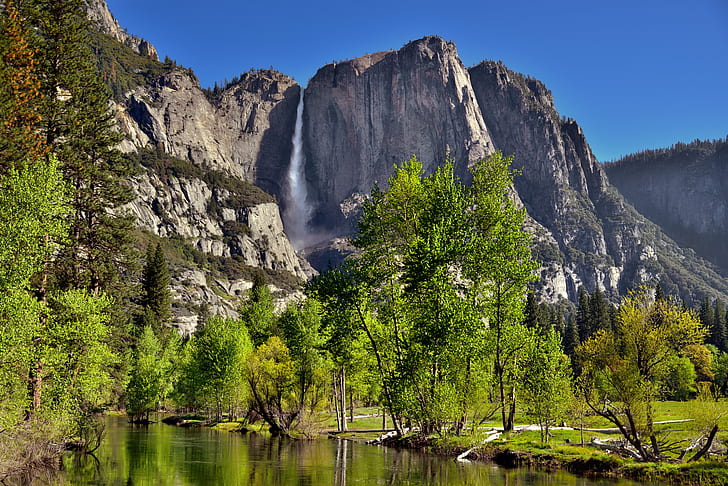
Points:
x=635 y=74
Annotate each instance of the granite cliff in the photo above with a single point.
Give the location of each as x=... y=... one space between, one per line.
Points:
x=102 y=19
x=361 y=117
x=684 y=189
x=364 y=115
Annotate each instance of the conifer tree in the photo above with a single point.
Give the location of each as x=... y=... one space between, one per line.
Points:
x=556 y=319
x=535 y=315
x=20 y=94
x=157 y=297
x=718 y=327
x=79 y=129
x=706 y=312
x=599 y=315
x=582 y=323
x=571 y=337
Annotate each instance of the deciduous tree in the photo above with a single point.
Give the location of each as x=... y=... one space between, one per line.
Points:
x=627 y=366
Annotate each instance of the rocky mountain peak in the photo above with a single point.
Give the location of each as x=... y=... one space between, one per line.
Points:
x=103 y=20
x=269 y=85
x=363 y=116
x=379 y=110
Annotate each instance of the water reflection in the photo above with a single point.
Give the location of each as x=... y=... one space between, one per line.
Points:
x=162 y=455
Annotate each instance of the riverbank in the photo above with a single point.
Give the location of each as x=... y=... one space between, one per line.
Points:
x=523 y=449
x=582 y=461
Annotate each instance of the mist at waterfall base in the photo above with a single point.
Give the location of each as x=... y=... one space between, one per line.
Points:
x=298 y=209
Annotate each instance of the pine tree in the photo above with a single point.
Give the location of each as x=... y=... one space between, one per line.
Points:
x=599 y=315
x=20 y=95
x=581 y=321
x=535 y=316
x=718 y=327
x=570 y=338
x=706 y=312
x=556 y=318
x=79 y=129
x=157 y=297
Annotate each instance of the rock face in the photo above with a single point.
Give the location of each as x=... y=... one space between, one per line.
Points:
x=361 y=117
x=685 y=190
x=199 y=152
x=203 y=219
x=365 y=115
x=181 y=207
x=104 y=21
x=243 y=130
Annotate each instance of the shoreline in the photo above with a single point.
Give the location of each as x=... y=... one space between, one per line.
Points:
x=577 y=460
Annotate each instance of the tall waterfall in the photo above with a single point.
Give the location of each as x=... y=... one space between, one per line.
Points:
x=298 y=211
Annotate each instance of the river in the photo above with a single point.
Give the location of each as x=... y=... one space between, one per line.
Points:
x=164 y=455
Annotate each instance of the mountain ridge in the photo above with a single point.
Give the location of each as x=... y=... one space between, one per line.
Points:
x=364 y=115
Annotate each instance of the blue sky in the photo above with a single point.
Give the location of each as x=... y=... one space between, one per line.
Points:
x=634 y=74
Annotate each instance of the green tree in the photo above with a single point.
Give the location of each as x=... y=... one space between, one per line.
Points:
x=627 y=366
x=500 y=266
x=581 y=320
x=546 y=390
x=78 y=380
x=719 y=368
x=706 y=312
x=270 y=373
x=536 y=316
x=346 y=341
x=301 y=328
x=145 y=387
x=718 y=334
x=679 y=382
x=258 y=313
x=599 y=314
x=215 y=370
x=32 y=218
x=79 y=128
x=571 y=337
x=155 y=281
x=438 y=260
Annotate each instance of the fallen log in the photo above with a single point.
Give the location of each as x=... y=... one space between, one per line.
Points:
x=616 y=448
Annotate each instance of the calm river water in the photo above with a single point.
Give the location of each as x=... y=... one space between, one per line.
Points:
x=163 y=455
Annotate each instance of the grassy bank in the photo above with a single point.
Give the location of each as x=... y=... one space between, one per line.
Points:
x=524 y=448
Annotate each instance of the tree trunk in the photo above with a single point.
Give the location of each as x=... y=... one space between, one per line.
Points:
x=351 y=406
x=335 y=386
x=342 y=390
x=709 y=442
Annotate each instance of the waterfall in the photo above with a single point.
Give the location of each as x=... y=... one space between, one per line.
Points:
x=298 y=212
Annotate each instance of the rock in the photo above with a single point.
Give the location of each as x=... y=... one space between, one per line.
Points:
x=104 y=21
x=365 y=115
x=685 y=190
x=243 y=130
x=361 y=117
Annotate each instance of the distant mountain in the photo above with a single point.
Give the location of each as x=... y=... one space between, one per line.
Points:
x=684 y=189
x=202 y=152
x=364 y=115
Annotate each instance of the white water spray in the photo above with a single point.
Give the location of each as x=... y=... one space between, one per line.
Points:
x=298 y=210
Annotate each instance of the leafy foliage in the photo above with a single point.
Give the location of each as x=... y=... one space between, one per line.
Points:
x=627 y=366
x=439 y=259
